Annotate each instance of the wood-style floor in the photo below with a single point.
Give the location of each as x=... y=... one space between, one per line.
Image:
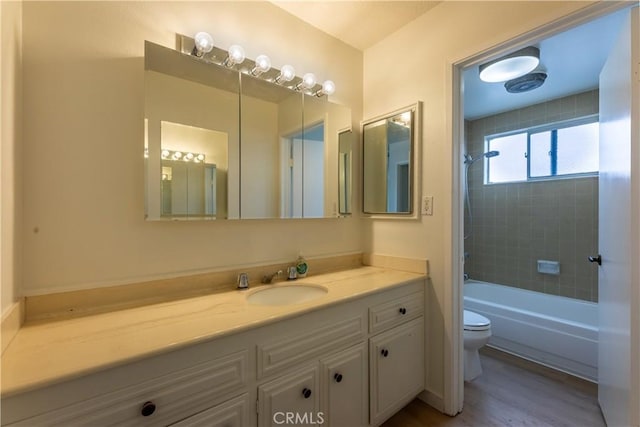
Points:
x=513 y=392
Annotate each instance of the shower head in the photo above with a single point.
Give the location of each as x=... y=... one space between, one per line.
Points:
x=468 y=160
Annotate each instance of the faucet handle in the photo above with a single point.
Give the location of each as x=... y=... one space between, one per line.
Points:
x=243 y=281
x=292 y=273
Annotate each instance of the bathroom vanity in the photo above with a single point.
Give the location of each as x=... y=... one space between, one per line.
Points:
x=353 y=356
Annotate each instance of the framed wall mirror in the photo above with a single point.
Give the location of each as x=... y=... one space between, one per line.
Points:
x=390 y=151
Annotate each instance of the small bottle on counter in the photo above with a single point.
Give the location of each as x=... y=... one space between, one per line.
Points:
x=302 y=267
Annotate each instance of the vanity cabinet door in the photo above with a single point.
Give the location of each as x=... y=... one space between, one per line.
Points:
x=291 y=399
x=345 y=388
x=396 y=364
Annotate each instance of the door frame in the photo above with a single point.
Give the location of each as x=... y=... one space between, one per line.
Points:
x=453 y=398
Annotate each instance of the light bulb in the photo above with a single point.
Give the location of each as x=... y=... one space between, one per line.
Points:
x=165 y=154
x=188 y=157
x=308 y=81
x=263 y=64
x=287 y=73
x=328 y=88
x=236 y=56
x=200 y=157
x=204 y=43
x=177 y=155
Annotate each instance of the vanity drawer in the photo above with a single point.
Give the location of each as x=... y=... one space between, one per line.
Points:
x=395 y=312
x=309 y=344
x=160 y=401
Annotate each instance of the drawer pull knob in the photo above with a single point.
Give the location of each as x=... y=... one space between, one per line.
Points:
x=148 y=408
x=384 y=352
x=337 y=377
x=403 y=310
x=306 y=393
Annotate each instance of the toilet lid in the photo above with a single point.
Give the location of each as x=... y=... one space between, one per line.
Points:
x=475 y=322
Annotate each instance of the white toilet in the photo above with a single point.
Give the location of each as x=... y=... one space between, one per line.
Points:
x=477 y=331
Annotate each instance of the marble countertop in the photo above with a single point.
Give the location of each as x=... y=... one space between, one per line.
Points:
x=43 y=354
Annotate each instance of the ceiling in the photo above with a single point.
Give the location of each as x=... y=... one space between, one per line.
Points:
x=360 y=23
x=572 y=60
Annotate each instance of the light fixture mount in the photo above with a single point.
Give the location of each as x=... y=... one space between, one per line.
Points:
x=259 y=68
x=510 y=66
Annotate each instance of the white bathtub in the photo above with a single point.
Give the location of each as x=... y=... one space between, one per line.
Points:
x=555 y=331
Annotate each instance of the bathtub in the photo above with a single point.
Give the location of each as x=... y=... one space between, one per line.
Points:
x=559 y=332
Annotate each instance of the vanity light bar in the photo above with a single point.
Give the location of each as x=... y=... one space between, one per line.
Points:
x=202 y=47
x=185 y=156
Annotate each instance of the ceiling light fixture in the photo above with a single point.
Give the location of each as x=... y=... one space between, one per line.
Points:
x=511 y=66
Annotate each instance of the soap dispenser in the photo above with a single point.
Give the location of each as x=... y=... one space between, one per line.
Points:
x=302 y=267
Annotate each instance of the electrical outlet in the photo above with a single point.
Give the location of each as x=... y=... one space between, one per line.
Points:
x=427 y=205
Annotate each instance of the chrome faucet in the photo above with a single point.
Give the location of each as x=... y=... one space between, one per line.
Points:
x=243 y=281
x=269 y=278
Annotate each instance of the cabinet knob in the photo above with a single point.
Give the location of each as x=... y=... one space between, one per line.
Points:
x=148 y=408
x=337 y=377
x=403 y=310
x=384 y=352
x=306 y=393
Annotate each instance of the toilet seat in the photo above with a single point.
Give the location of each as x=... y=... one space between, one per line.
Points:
x=475 y=322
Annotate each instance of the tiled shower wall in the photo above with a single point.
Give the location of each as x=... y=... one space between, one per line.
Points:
x=516 y=224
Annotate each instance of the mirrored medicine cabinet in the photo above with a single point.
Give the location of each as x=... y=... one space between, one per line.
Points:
x=222 y=144
x=390 y=147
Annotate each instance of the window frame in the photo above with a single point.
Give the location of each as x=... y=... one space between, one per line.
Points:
x=593 y=118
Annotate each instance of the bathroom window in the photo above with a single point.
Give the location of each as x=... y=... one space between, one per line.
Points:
x=546 y=152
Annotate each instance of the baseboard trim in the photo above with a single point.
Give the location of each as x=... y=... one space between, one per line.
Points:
x=12 y=320
x=432 y=399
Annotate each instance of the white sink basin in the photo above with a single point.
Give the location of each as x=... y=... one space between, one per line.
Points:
x=286 y=294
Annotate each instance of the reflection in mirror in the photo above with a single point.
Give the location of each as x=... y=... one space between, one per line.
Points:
x=191 y=137
x=194 y=171
x=345 y=147
x=271 y=119
x=387 y=163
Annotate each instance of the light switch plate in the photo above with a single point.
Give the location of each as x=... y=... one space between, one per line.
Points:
x=427 y=205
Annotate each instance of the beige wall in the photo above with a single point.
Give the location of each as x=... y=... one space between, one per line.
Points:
x=10 y=152
x=84 y=97
x=516 y=224
x=423 y=52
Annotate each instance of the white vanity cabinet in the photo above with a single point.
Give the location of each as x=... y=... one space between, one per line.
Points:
x=159 y=390
x=290 y=399
x=353 y=363
x=344 y=385
x=396 y=356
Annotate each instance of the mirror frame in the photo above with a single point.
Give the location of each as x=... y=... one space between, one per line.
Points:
x=415 y=166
